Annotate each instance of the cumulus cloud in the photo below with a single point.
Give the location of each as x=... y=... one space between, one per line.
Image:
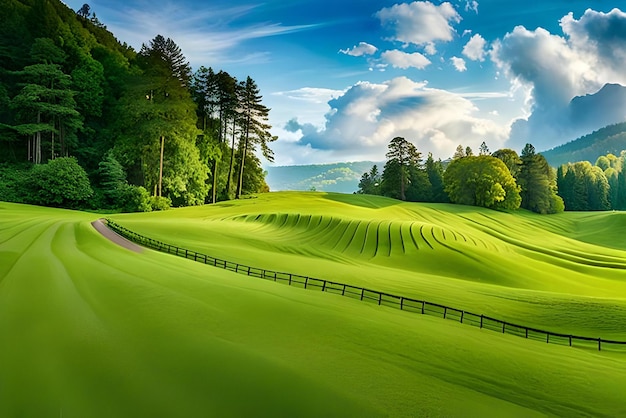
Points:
x=368 y=115
x=554 y=69
x=420 y=22
x=459 y=64
x=399 y=59
x=363 y=48
x=474 y=49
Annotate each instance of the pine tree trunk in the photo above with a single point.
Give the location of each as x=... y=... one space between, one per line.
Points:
x=232 y=161
x=214 y=181
x=243 y=160
x=161 y=167
x=37 y=149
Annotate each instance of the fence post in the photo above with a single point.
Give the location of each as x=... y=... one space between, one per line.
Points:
x=186 y=253
x=236 y=268
x=380 y=298
x=445 y=312
x=547 y=337
x=481 y=320
x=423 y=307
x=324 y=286
x=401 y=302
x=275 y=276
x=249 y=272
x=503 y=325
x=306 y=281
x=343 y=292
x=462 y=313
x=570 y=340
x=195 y=256
x=290 y=279
x=204 y=258
x=526 y=332
x=362 y=292
x=599 y=344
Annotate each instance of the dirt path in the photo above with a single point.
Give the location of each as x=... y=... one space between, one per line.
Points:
x=101 y=227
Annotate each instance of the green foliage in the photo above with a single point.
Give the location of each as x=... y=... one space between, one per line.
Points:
x=434 y=170
x=14 y=182
x=584 y=187
x=59 y=183
x=70 y=88
x=158 y=202
x=370 y=182
x=481 y=181
x=610 y=139
x=537 y=181
x=510 y=158
x=403 y=176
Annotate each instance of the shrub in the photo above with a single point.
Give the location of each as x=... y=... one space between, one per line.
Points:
x=59 y=183
x=14 y=185
x=160 y=202
x=134 y=199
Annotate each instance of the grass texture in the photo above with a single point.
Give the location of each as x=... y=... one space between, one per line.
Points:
x=91 y=329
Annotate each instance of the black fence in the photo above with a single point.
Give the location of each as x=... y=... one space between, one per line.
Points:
x=374 y=296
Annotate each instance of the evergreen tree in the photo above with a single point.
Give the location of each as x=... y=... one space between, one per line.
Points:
x=538 y=184
x=45 y=104
x=434 y=170
x=157 y=127
x=255 y=129
x=370 y=182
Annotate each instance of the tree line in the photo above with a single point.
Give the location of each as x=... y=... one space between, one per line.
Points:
x=141 y=128
x=499 y=180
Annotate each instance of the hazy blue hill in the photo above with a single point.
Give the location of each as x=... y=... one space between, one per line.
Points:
x=610 y=139
x=338 y=177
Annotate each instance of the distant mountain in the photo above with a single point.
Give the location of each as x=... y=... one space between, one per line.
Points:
x=550 y=127
x=610 y=139
x=338 y=177
x=606 y=107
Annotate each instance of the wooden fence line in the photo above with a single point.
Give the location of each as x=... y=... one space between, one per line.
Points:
x=364 y=294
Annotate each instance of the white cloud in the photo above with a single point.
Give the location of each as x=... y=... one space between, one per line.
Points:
x=399 y=59
x=474 y=49
x=430 y=48
x=553 y=69
x=368 y=115
x=363 y=48
x=459 y=64
x=420 y=22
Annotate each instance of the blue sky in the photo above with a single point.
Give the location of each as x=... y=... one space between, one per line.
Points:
x=344 y=77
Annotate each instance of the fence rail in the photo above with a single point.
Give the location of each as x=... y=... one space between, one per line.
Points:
x=374 y=296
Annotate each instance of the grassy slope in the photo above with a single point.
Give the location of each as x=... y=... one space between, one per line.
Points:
x=91 y=329
x=564 y=272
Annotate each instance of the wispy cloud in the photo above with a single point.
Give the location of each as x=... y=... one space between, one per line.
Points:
x=210 y=35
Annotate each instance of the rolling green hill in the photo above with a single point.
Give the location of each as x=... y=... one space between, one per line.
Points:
x=96 y=330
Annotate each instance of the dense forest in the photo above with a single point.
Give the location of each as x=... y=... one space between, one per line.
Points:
x=499 y=180
x=88 y=122
x=609 y=140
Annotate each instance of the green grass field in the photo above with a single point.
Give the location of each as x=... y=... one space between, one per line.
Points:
x=89 y=329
